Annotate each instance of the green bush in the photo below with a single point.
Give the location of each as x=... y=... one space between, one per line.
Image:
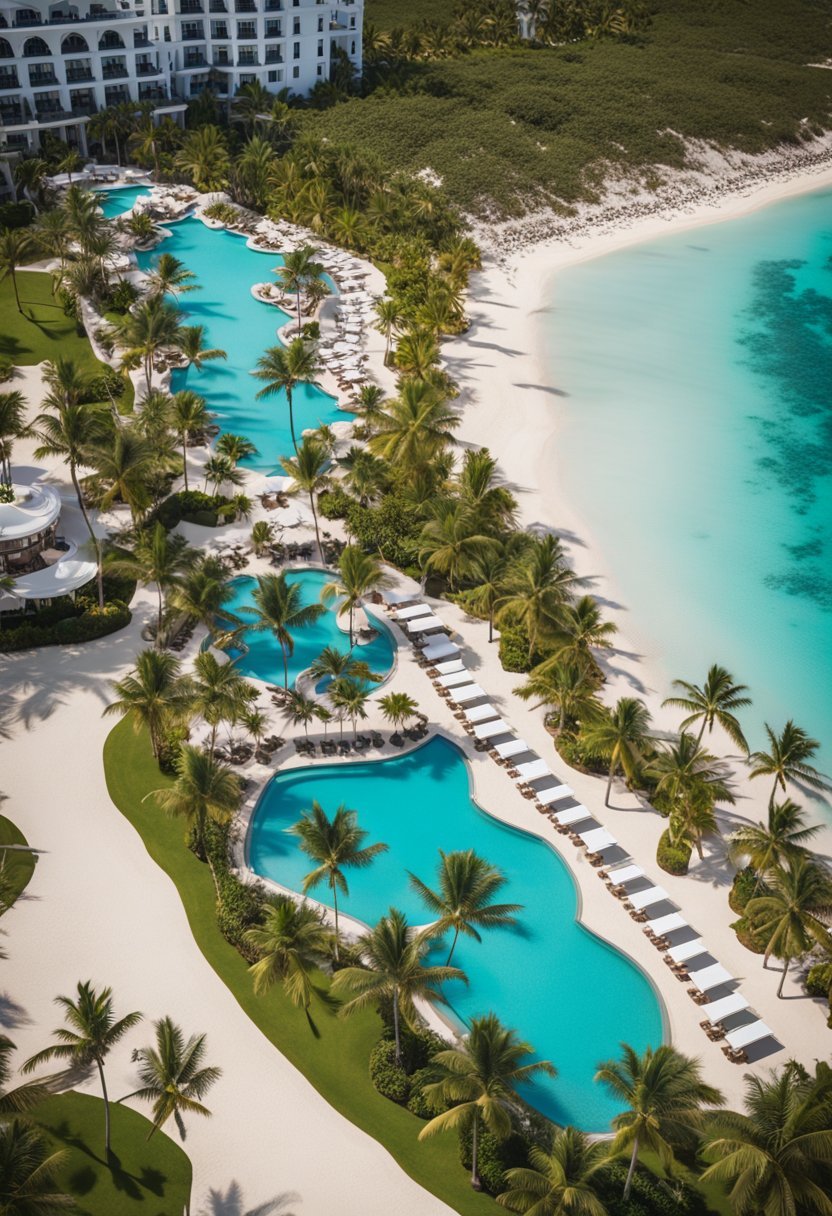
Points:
x=389 y=1078
x=192 y=506
x=94 y=623
x=389 y=529
x=334 y=503
x=494 y=1157
x=169 y=748
x=743 y=888
x=571 y=747
x=514 y=650
x=819 y=980
x=122 y=296
x=672 y=858
x=16 y=215
x=7 y=366
x=748 y=937
x=417 y=1103
x=240 y=905
x=650 y=1196
x=109 y=384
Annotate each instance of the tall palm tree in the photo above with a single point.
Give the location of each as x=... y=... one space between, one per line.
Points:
x=619 y=737
x=489 y=573
x=15 y=244
x=479 y=488
x=349 y=697
x=12 y=426
x=417 y=353
x=218 y=693
x=298 y=270
x=235 y=447
x=173 y=1076
x=569 y=686
x=775 y=1155
x=53 y=238
x=24 y=1097
x=333 y=664
x=359 y=574
x=159 y=557
x=203 y=594
x=309 y=471
x=300 y=710
x=364 y=474
x=715 y=701
x=30 y=177
x=787 y=760
x=560 y=1182
x=29 y=1183
x=283 y=368
x=279 y=608
x=335 y=845
x=153 y=696
x=393 y=954
x=398 y=708
x=480 y=1078
x=124 y=463
x=681 y=768
x=170 y=276
x=582 y=629
x=204 y=157
x=193 y=349
x=782 y=837
x=464 y=899
x=92 y=1030
x=451 y=542
x=537 y=592
x=794 y=912
x=415 y=427
x=203 y=790
x=664 y=1094
x=694 y=817
x=292 y=942
x=220 y=471
x=152 y=326
x=389 y=320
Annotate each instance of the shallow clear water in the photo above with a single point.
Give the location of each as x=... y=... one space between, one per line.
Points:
x=226 y=269
x=697 y=444
x=263 y=659
x=566 y=992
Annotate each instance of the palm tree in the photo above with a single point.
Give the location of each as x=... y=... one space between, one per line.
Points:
x=415 y=427
x=569 y=686
x=389 y=319
x=235 y=447
x=30 y=177
x=124 y=462
x=794 y=912
x=71 y=162
x=299 y=269
x=170 y=276
x=203 y=594
x=538 y=591
x=173 y=1076
x=359 y=575
x=218 y=693
x=398 y=708
x=451 y=542
x=480 y=1079
x=308 y=469
x=292 y=943
x=15 y=244
x=283 y=368
x=560 y=1182
x=350 y=697
x=52 y=236
x=664 y=1094
x=715 y=701
x=694 y=817
x=278 y=605
x=582 y=629
x=159 y=557
x=463 y=901
x=29 y=1173
x=417 y=353
x=203 y=789
x=689 y=783
x=152 y=326
x=153 y=696
x=364 y=474
x=333 y=664
x=189 y=418
x=21 y=1099
x=91 y=1032
x=12 y=426
x=787 y=760
x=776 y=842
x=619 y=737
x=191 y=346
x=336 y=845
x=220 y=471
x=204 y=157
x=394 y=970
x=370 y=405
x=478 y=487
x=775 y=1156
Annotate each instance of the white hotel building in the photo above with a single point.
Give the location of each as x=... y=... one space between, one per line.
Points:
x=62 y=61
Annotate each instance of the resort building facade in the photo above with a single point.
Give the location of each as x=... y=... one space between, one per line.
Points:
x=62 y=61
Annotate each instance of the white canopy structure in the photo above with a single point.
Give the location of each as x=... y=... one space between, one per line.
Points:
x=61 y=579
x=481 y=713
x=710 y=977
x=442 y=648
x=744 y=1036
x=663 y=925
x=625 y=874
x=687 y=950
x=455 y=679
x=643 y=899
x=717 y=1011
x=421 y=624
x=450 y=668
x=572 y=814
x=407 y=614
x=487 y=730
x=598 y=839
x=554 y=793
x=512 y=747
x=533 y=770
x=470 y=692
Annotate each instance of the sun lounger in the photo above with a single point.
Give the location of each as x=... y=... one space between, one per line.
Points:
x=400 y=597
x=553 y=794
x=597 y=839
x=717 y=1011
x=470 y=692
x=687 y=950
x=643 y=899
x=487 y=730
x=710 y=977
x=512 y=747
x=744 y=1036
x=442 y=649
x=625 y=874
x=449 y=668
x=663 y=924
x=455 y=679
x=406 y=614
x=572 y=814
x=533 y=770
x=423 y=623
x=481 y=713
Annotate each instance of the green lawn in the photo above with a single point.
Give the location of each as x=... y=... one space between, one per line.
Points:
x=392 y=14
x=17 y=868
x=42 y=331
x=333 y=1054
x=147 y=1177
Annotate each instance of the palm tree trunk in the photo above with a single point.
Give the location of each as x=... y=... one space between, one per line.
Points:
x=491 y=625
x=93 y=537
x=185 y=459
x=453 y=947
x=148 y=369
x=783 y=978
x=702 y=729
x=13 y=271
x=476 y=1182
x=609 y=785
x=396 y=1028
x=633 y=1160
x=299 y=312
x=161 y=612
x=337 y=939
x=285 y=665
x=352 y=611
x=773 y=794
x=317 y=532
x=291 y=418
x=106 y=1107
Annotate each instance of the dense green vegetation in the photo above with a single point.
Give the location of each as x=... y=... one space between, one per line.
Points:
x=16 y=868
x=149 y=1177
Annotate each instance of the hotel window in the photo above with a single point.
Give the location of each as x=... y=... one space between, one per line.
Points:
x=352 y=23
x=296 y=50
x=246 y=29
x=320 y=47
x=352 y=48
x=296 y=25
x=272 y=77
x=320 y=25
x=295 y=73
x=320 y=69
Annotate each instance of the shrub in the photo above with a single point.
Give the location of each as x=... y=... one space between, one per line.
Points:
x=7 y=366
x=650 y=1196
x=169 y=748
x=6 y=493
x=16 y=215
x=743 y=888
x=494 y=1157
x=388 y=1077
x=417 y=1103
x=105 y=386
x=192 y=506
x=673 y=858
x=514 y=650
x=334 y=503
x=93 y=623
x=571 y=747
x=389 y=529
x=122 y=296
x=748 y=937
x=240 y=905
x=819 y=980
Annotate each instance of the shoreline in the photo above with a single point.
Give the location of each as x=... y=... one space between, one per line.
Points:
x=504 y=370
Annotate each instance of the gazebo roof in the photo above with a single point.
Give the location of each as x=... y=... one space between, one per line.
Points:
x=35 y=509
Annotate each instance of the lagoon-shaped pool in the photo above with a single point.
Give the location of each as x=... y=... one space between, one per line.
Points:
x=572 y=996
x=262 y=657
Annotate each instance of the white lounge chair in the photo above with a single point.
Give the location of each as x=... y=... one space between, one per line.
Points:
x=710 y=977
x=448 y=669
x=598 y=839
x=572 y=814
x=687 y=950
x=414 y=610
x=441 y=649
x=468 y=693
x=481 y=713
x=643 y=899
x=664 y=924
x=422 y=624
x=624 y=875
x=455 y=680
x=488 y=730
x=512 y=747
x=553 y=794
x=533 y=770
x=717 y=1011
x=744 y=1036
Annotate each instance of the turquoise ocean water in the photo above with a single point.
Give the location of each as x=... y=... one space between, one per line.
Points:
x=569 y=994
x=696 y=443
x=226 y=269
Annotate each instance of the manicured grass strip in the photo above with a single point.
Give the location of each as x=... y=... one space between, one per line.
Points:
x=42 y=331
x=332 y=1053
x=151 y=1177
x=18 y=868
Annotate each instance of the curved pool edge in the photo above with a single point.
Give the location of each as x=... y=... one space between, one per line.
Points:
x=248 y=810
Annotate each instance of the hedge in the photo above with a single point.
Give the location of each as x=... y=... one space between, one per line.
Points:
x=514 y=650
x=389 y=1078
x=672 y=858
x=94 y=623
x=192 y=506
x=743 y=888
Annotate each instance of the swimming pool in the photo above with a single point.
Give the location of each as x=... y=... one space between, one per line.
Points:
x=572 y=996
x=262 y=658
x=226 y=270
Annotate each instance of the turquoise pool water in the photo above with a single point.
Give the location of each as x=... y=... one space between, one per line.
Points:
x=263 y=659
x=226 y=269
x=569 y=994
x=696 y=442
x=116 y=202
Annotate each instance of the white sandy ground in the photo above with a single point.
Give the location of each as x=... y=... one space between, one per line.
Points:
x=108 y=913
